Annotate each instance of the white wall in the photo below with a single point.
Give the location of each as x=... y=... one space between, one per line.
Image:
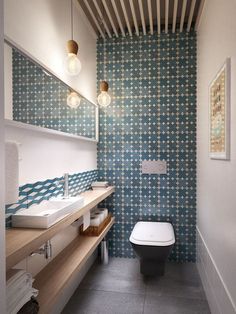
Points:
x=216 y=197
x=2 y=216
x=49 y=156
x=42 y=28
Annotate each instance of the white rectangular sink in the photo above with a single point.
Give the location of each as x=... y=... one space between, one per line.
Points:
x=47 y=213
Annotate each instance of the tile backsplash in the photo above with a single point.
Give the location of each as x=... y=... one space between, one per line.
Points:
x=35 y=193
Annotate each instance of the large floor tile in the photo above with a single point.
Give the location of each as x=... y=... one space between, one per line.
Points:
x=172 y=287
x=100 y=302
x=120 y=288
x=117 y=276
x=126 y=267
x=174 y=305
x=180 y=280
x=184 y=272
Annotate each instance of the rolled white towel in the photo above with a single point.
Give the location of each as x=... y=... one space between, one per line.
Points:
x=14 y=275
x=25 y=283
x=100 y=214
x=95 y=221
x=18 y=289
x=17 y=305
x=100 y=184
x=104 y=211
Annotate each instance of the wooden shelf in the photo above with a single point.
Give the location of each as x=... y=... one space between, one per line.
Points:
x=57 y=274
x=20 y=242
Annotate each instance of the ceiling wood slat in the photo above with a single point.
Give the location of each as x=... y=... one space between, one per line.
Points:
x=184 y=6
x=134 y=16
x=174 y=15
x=94 y=18
x=118 y=17
x=140 y=2
x=190 y=17
x=166 y=15
x=150 y=16
x=126 y=17
x=199 y=15
x=110 y=17
x=102 y=18
x=158 y=16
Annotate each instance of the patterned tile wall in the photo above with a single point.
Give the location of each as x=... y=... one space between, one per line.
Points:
x=40 y=99
x=35 y=193
x=152 y=116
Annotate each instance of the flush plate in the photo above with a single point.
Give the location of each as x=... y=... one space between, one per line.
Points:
x=153 y=167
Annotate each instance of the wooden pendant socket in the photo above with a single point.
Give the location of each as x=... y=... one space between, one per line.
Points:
x=72 y=47
x=104 y=86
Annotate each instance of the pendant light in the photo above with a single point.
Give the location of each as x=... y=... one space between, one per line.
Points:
x=73 y=100
x=72 y=63
x=104 y=99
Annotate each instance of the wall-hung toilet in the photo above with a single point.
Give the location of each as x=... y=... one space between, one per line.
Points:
x=152 y=242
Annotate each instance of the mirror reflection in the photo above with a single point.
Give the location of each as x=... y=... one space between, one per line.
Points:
x=36 y=97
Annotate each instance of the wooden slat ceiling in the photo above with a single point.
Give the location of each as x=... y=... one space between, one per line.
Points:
x=129 y=17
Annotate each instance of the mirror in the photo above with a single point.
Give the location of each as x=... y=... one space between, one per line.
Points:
x=37 y=97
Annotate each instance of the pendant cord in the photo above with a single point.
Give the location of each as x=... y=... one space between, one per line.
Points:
x=71 y=15
x=104 y=59
x=104 y=46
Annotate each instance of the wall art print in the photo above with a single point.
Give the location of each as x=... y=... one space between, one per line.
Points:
x=219 y=114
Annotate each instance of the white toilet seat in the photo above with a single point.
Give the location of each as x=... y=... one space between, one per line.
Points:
x=153 y=233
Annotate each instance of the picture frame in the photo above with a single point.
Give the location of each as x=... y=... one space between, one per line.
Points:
x=219 y=114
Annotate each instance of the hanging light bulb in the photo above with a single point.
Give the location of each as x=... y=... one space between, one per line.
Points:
x=73 y=100
x=104 y=99
x=72 y=62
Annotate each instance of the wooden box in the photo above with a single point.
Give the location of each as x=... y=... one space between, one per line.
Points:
x=93 y=231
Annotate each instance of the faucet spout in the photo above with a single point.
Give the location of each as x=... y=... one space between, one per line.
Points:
x=65 y=182
x=66 y=185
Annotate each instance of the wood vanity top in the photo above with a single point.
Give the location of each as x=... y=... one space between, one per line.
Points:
x=20 y=242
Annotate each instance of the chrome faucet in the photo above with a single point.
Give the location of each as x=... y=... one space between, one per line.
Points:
x=46 y=250
x=65 y=182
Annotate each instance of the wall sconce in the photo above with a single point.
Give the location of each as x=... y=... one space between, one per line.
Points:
x=72 y=62
x=73 y=100
x=104 y=99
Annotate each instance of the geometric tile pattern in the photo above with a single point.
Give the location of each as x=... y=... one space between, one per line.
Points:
x=40 y=99
x=35 y=193
x=152 y=116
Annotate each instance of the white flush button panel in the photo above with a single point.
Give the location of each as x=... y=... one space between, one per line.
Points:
x=154 y=167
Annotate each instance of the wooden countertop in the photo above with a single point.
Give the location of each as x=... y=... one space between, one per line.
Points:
x=20 y=242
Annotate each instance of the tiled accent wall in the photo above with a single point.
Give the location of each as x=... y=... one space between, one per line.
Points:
x=35 y=193
x=152 y=116
x=40 y=99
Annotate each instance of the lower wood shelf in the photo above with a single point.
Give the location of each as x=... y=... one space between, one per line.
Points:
x=57 y=274
x=20 y=242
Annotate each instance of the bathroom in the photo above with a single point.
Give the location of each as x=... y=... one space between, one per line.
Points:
x=151 y=142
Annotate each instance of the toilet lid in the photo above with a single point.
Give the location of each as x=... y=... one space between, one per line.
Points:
x=153 y=233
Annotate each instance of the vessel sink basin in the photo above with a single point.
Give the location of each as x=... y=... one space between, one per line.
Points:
x=47 y=213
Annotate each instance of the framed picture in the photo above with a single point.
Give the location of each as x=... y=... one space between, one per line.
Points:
x=219 y=114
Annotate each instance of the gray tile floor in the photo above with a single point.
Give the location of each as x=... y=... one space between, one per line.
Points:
x=119 y=288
